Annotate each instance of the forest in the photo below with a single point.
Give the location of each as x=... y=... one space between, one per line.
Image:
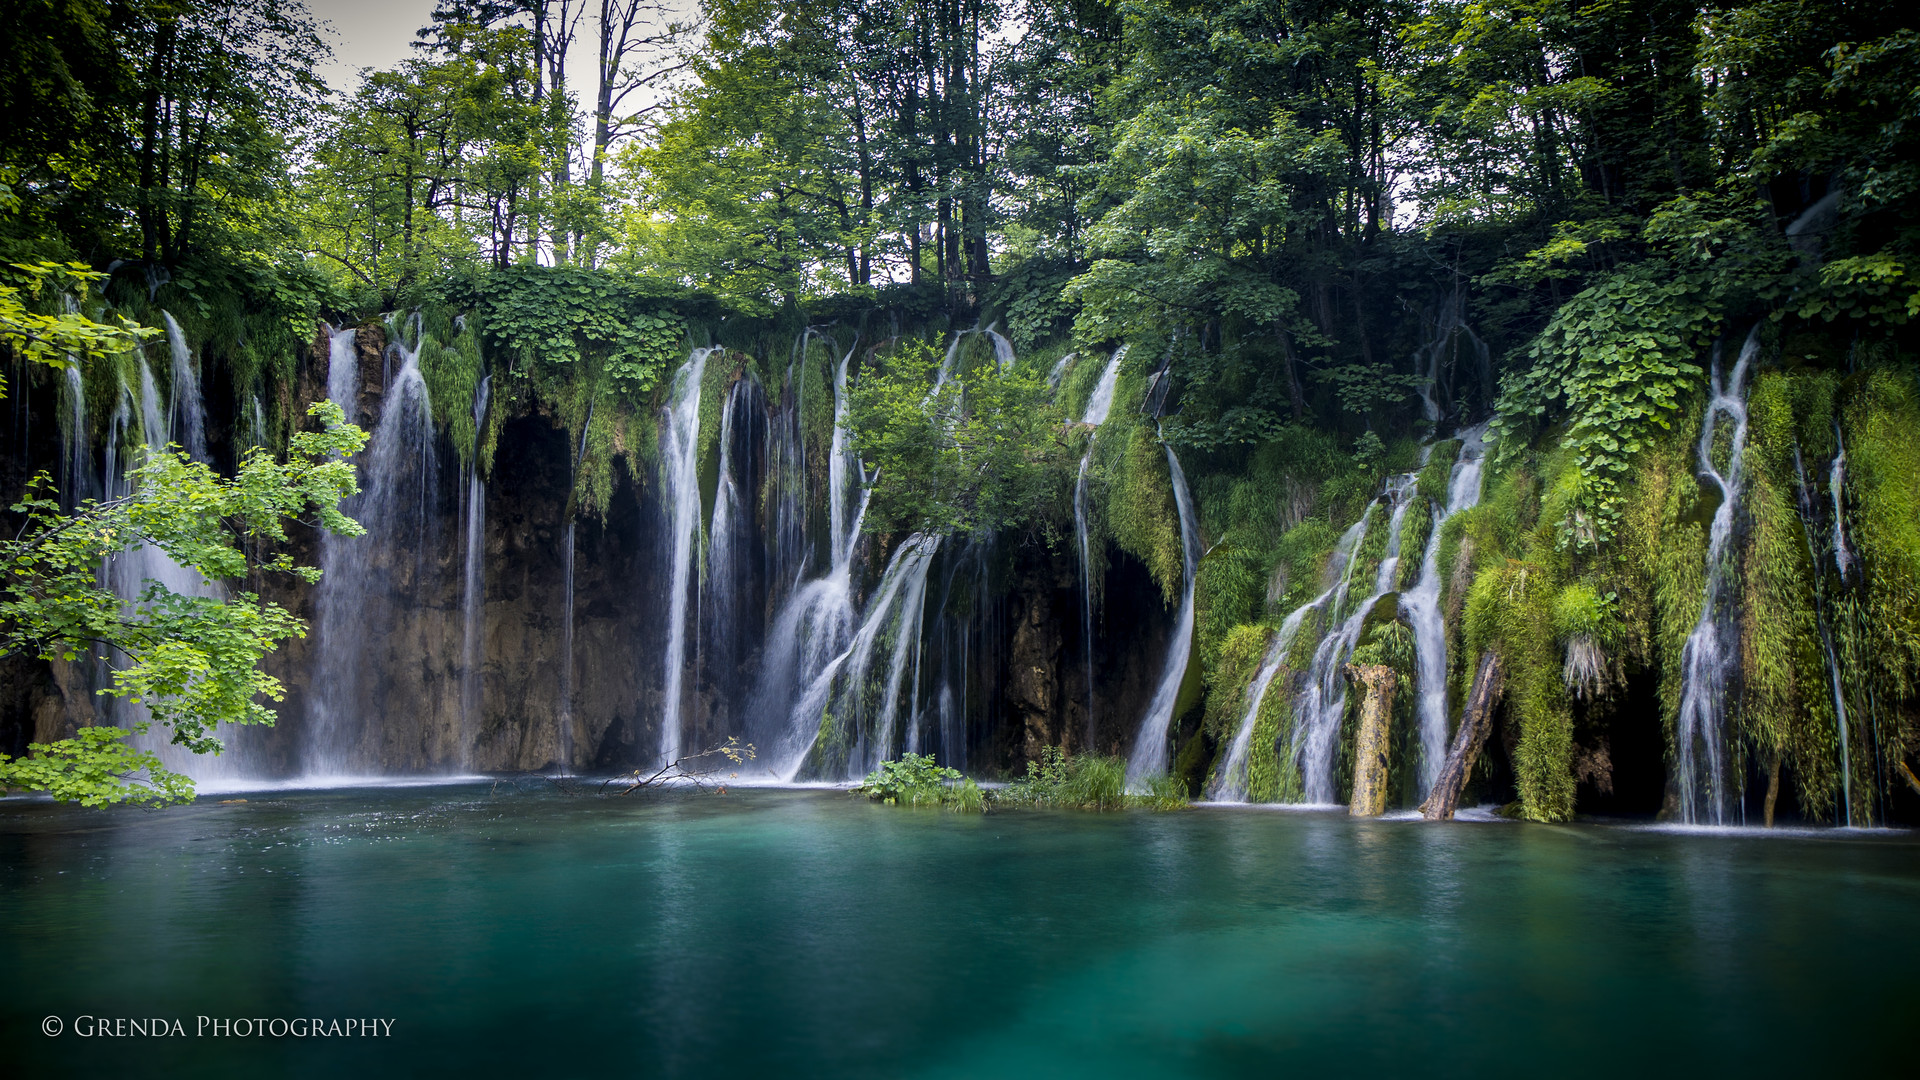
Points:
x=1310 y=401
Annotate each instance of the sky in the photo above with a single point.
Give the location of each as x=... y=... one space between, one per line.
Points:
x=369 y=33
x=380 y=34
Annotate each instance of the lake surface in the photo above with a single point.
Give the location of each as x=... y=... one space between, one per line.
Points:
x=796 y=932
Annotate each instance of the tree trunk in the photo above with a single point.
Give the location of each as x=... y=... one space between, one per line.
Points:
x=1475 y=724
x=1371 y=745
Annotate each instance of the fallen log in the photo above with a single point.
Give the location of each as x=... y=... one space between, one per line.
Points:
x=1371 y=744
x=1475 y=724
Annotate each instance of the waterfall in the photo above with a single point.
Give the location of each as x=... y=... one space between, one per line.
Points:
x=563 y=720
x=1098 y=406
x=814 y=625
x=1422 y=607
x=1835 y=684
x=473 y=579
x=961 y=638
x=1003 y=354
x=1449 y=322
x=1149 y=757
x=1059 y=370
x=1323 y=703
x=843 y=693
x=1843 y=558
x=724 y=614
x=1230 y=783
x=76 y=462
x=787 y=551
x=1711 y=655
x=185 y=410
x=343 y=369
x=680 y=483
x=368 y=580
x=129 y=572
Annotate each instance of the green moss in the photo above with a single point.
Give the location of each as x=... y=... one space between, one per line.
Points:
x=1508 y=611
x=1238 y=661
x=1438 y=472
x=1882 y=497
x=1416 y=528
x=1298 y=560
x=1228 y=590
x=1139 y=510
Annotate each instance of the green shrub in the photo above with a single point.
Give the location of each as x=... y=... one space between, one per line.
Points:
x=915 y=780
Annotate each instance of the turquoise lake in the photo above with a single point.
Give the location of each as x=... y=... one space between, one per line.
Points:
x=804 y=933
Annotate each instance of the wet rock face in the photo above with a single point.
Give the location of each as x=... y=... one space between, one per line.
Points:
x=1034 y=673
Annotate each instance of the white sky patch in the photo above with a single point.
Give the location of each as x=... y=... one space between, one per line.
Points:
x=368 y=33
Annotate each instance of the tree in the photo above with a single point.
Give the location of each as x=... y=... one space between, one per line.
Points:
x=191 y=660
x=953 y=451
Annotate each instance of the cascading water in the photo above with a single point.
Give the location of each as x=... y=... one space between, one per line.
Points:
x=680 y=482
x=846 y=688
x=814 y=626
x=473 y=579
x=563 y=716
x=343 y=369
x=1421 y=604
x=1098 y=406
x=1711 y=655
x=76 y=461
x=1323 y=703
x=1149 y=757
x=1843 y=558
x=129 y=572
x=1449 y=325
x=257 y=433
x=957 y=640
x=1060 y=367
x=1835 y=684
x=186 y=413
x=1230 y=783
x=726 y=616
x=368 y=579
